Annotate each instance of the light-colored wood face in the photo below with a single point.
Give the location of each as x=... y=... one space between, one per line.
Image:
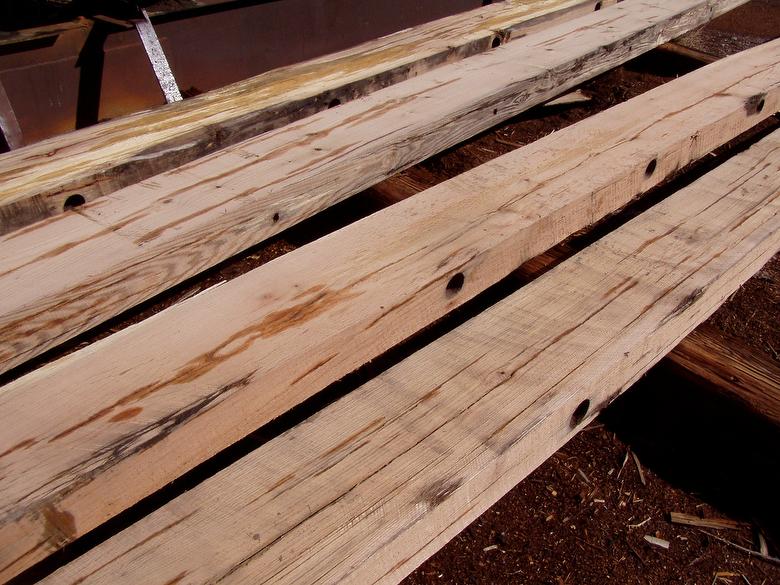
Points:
x=138 y=409
x=95 y=161
x=79 y=269
x=369 y=487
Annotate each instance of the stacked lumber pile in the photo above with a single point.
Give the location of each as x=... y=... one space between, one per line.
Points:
x=373 y=482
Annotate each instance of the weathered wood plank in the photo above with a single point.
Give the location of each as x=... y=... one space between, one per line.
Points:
x=365 y=490
x=38 y=180
x=688 y=53
x=76 y=270
x=725 y=364
x=166 y=394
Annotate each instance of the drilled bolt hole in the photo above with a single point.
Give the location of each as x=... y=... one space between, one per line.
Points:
x=74 y=201
x=580 y=412
x=598 y=6
x=651 y=168
x=456 y=283
x=496 y=42
x=276 y=217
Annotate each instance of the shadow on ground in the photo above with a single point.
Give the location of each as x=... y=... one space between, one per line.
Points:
x=705 y=444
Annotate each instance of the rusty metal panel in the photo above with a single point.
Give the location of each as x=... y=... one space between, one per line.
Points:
x=100 y=71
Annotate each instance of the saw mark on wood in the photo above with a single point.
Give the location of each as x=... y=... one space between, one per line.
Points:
x=137 y=545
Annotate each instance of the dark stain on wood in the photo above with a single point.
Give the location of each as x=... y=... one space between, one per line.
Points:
x=683 y=305
x=59 y=526
x=277 y=484
x=278 y=321
x=625 y=281
x=374 y=424
x=139 y=440
x=273 y=324
x=27 y=443
x=313 y=369
x=438 y=492
x=177 y=579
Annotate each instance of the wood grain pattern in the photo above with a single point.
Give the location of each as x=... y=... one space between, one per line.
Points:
x=76 y=270
x=365 y=490
x=101 y=159
x=134 y=411
x=725 y=364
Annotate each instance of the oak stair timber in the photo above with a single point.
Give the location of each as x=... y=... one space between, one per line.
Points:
x=81 y=268
x=38 y=180
x=165 y=394
x=707 y=356
x=725 y=364
x=368 y=488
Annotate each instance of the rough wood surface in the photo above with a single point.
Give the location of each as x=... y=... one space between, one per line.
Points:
x=365 y=490
x=78 y=269
x=94 y=432
x=725 y=364
x=94 y=161
x=688 y=53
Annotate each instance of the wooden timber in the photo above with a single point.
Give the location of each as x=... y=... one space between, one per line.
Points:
x=38 y=180
x=368 y=488
x=707 y=355
x=723 y=363
x=164 y=394
x=76 y=270
x=688 y=53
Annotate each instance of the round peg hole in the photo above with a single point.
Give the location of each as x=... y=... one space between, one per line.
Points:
x=496 y=42
x=650 y=169
x=598 y=6
x=74 y=201
x=334 y=102
x=580 y=412
x=456 y=283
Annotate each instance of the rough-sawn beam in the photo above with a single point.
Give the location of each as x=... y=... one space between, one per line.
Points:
x=76 y=270
x=365 y=490
x=37 y=181
x=170 y=392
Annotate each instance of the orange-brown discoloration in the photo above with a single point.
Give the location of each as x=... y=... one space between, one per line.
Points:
x=273 y=324
x=314 y=368
x=376 y=423
x=126 y=414
x=59 y=526
x=27 y=443
x=177 y=579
